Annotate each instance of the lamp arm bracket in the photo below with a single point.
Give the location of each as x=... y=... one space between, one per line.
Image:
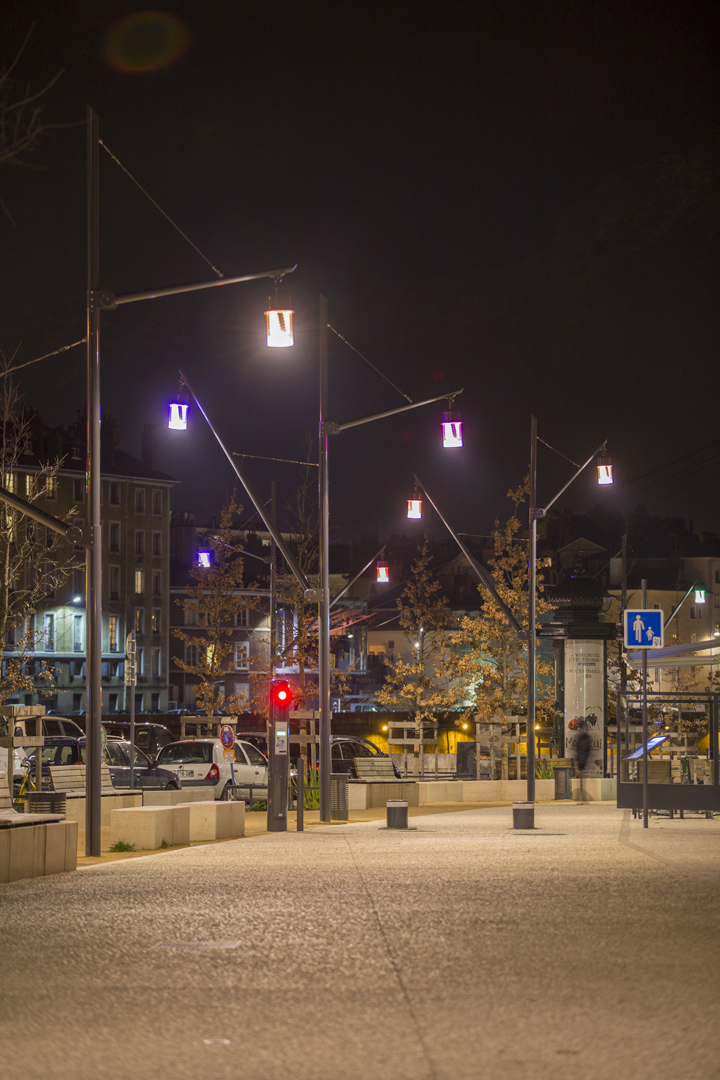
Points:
x=536 y=513
x=330 y=427
x=102 y=300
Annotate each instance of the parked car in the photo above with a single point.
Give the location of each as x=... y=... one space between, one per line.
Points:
x=116 y=755
x=149 y=737
x=202 y=763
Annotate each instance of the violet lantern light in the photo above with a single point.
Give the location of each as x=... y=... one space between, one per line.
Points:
x=178 y=416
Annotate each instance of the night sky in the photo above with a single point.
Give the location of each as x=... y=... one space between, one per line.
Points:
x=520 y=199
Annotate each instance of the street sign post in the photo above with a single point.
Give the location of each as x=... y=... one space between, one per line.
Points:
x=131 y=682
x=644 y=628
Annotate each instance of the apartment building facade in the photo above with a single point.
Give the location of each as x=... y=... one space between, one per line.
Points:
x=135 y=515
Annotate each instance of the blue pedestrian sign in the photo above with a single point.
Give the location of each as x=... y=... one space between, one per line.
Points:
x=644 y=629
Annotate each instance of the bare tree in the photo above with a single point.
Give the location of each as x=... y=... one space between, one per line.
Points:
x=22 y=124
x=34 y=561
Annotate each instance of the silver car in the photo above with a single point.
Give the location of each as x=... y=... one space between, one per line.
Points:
x=206 y=763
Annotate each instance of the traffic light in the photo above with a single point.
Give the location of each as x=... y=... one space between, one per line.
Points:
x=280 y=696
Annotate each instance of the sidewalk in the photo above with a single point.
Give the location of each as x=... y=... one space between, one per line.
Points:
x=256 y=824
x=587 y=949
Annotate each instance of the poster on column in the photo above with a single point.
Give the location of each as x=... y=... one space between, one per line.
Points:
x=585 y=700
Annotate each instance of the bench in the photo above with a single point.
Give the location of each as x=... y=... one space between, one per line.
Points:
x=376 y=783
x=72 y=780
x=374 y=768
x=11 y=818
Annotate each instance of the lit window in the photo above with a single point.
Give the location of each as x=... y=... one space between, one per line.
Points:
x=139 y=582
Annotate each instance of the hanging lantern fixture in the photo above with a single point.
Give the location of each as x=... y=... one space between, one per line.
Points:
x=452 y=429
x=383 y=573
x=279 y=320
x=604 y=468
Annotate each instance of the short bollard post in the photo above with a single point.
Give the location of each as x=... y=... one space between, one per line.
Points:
x=300 y=795
x=397 y=814
x=523 y=815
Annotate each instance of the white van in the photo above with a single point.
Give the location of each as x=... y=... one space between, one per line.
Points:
x=206 y=763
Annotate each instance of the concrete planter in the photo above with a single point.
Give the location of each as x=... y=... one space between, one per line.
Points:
x=28 y=851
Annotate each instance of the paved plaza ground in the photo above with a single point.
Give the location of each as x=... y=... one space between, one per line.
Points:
x=588 y=949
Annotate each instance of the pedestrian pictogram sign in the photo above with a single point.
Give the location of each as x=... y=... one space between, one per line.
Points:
x=644 y=629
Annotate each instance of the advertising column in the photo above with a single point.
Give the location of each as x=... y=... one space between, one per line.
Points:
x=585 y=700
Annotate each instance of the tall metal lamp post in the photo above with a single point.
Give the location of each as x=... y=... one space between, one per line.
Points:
x=535 y=514
x=326 y=429
x=101 y=300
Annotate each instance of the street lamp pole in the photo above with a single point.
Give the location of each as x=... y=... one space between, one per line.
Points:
x=535 y=513
x=325 y=760
x=93 y=556
x=101 y=300
x=326 y=428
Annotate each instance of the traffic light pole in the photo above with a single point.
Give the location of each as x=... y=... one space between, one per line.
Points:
x=278 y=757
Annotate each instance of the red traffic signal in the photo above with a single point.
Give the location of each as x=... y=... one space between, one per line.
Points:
x=280 y=693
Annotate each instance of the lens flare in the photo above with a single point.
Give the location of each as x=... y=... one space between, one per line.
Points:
x=144 y=42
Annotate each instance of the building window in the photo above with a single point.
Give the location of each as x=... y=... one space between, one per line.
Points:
x=114 y=582
x=49 y=580
x=139 y=582
x=113 y=630
x=242 y=655
x=77 y=633
x=29 y=484
x=694 y=613
x=113 y=699
x=157 y=583
x=77 y=702
x=139 y=500
x=139 y=541
x=114 y=537
x=155 y=620
x=139 y=661
x=51 y=487
x=78 y=490
x=155 y=663
x=9 y=485
x=191 y=655
x=114 y=493
x=139 y=620
x=49 y=632
x=190 y=610
x=157 y=503
x=157 y=544
x=242 y=618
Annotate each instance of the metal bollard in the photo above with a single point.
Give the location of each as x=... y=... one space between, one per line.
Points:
x=300 y=795
x=397 y=813
x=523 y=815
